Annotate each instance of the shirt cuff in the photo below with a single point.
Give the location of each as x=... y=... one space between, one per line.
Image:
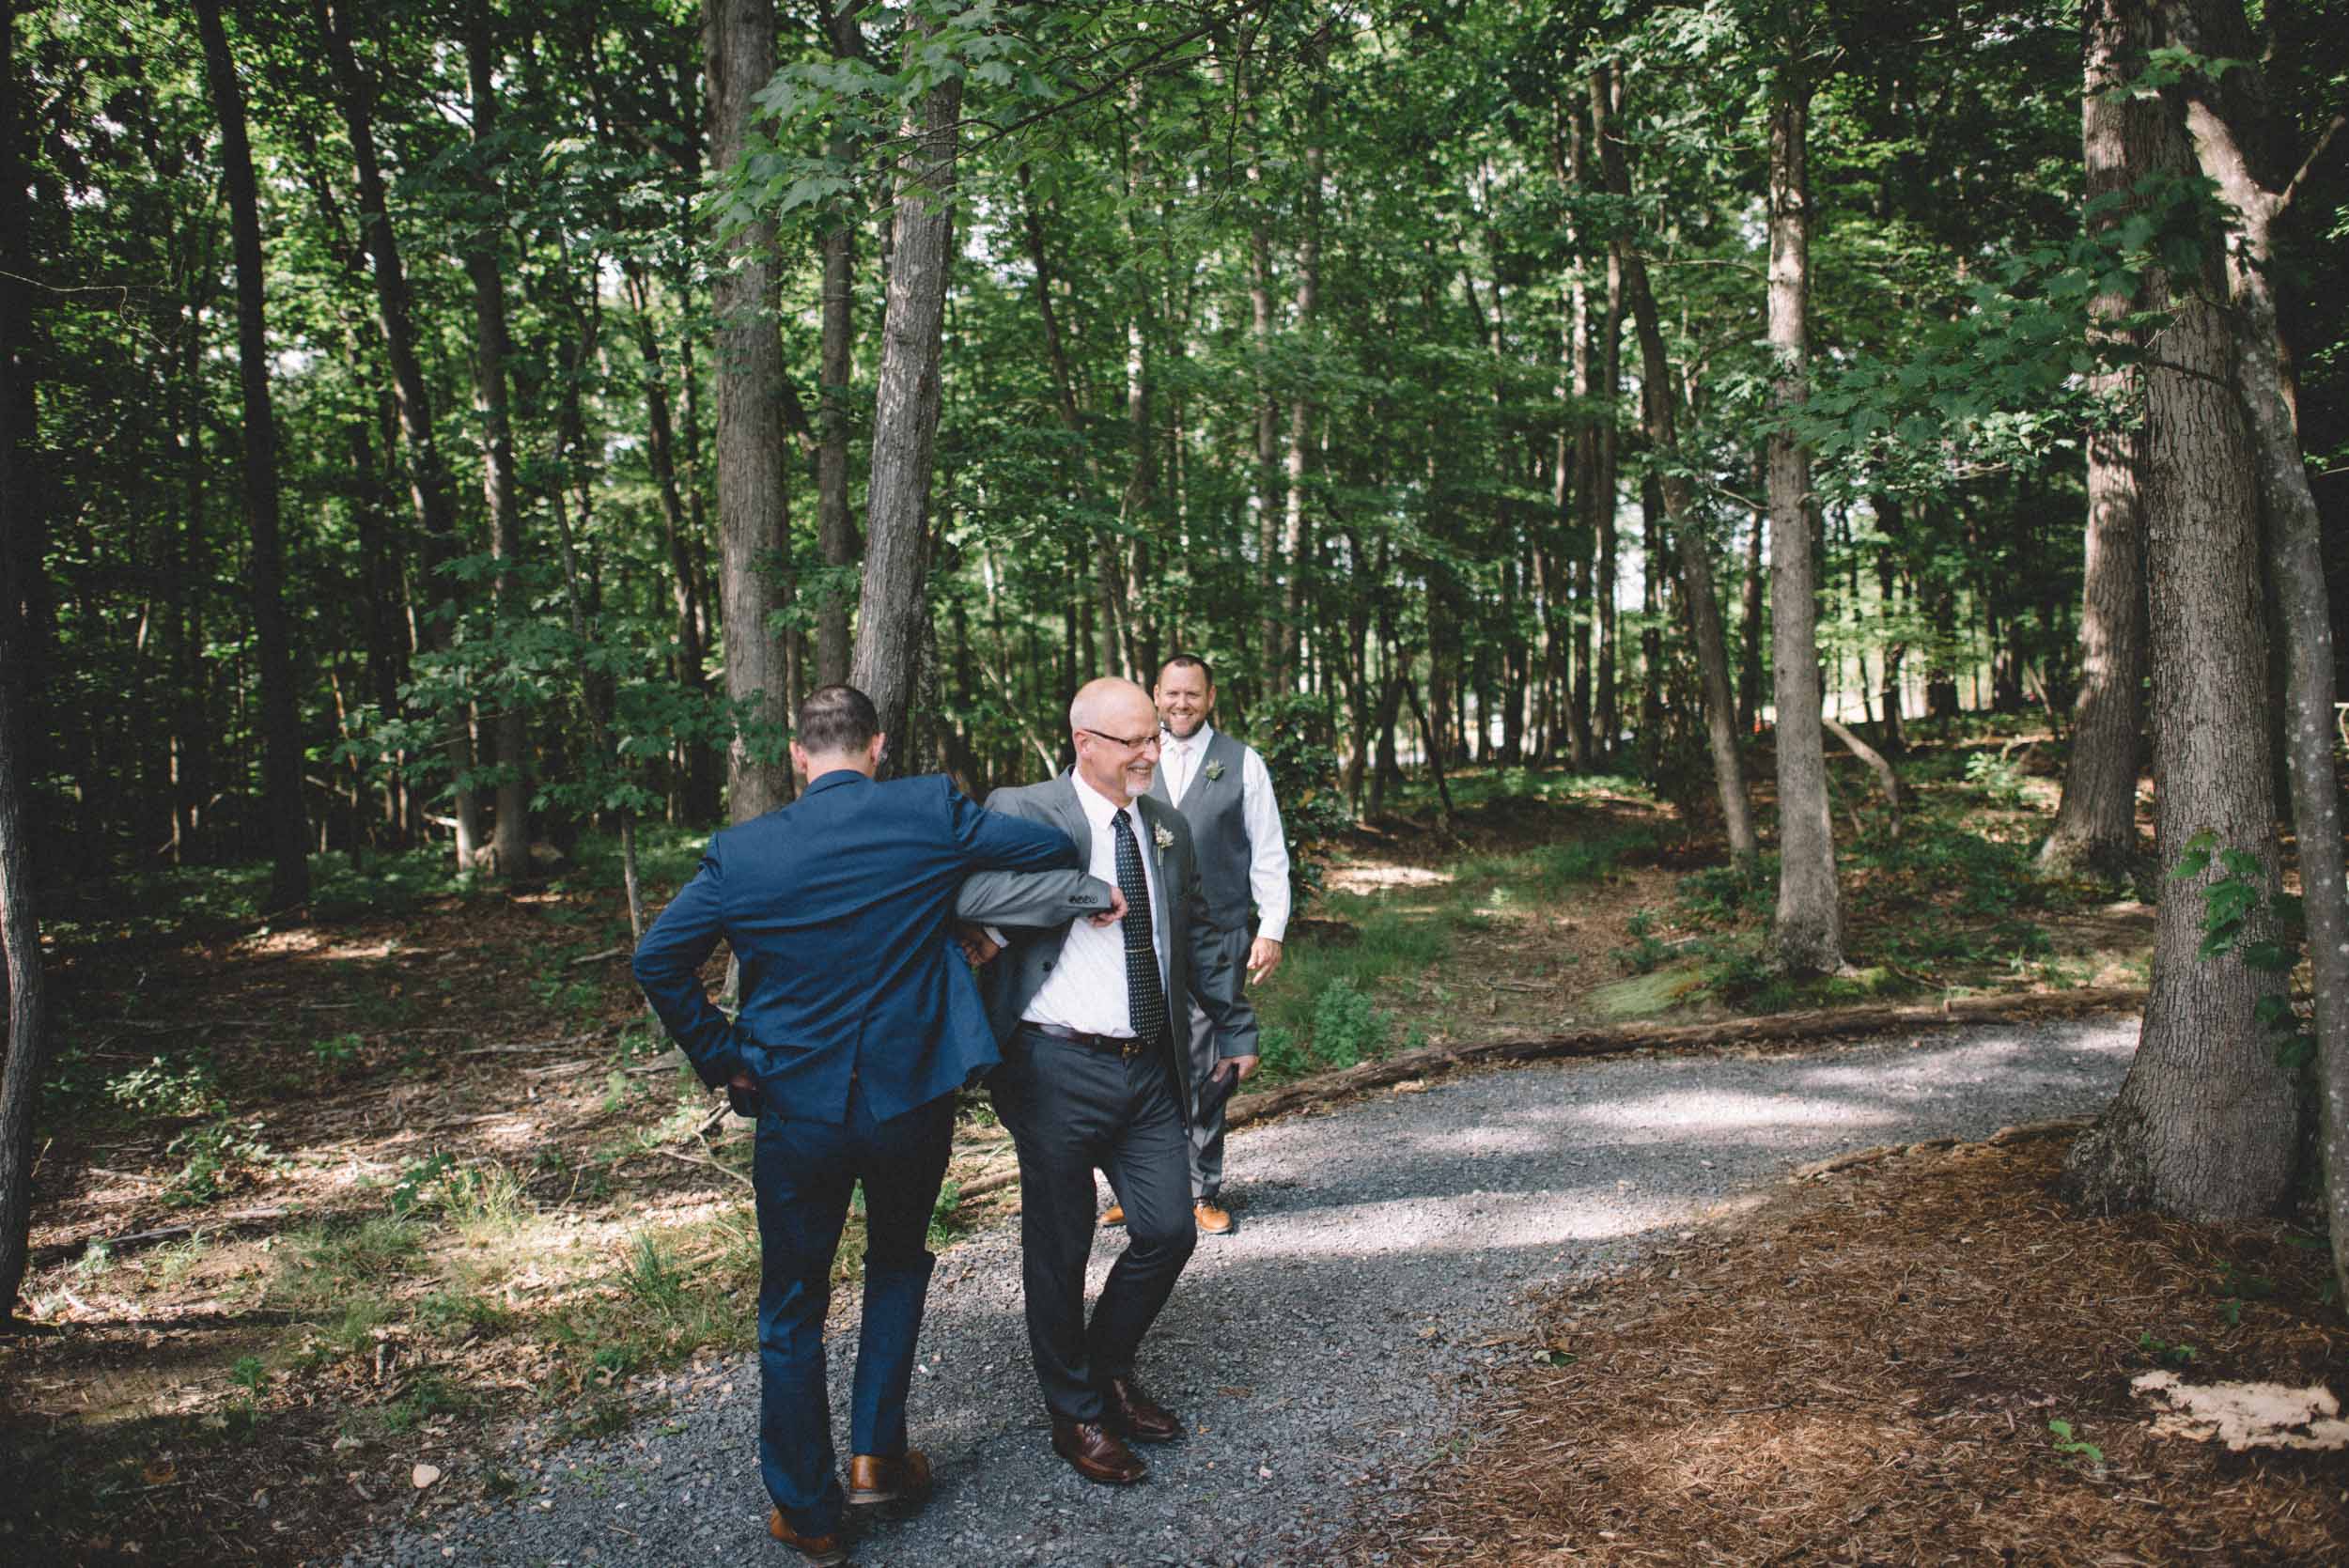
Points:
x=1274 y=930
x=995 y=935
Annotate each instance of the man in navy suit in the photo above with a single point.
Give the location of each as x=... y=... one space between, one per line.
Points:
x=858 y=1021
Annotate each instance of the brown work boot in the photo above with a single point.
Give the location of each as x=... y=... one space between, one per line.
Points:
x=1093 y=1451
x=1114 y=1214
x=874 y=1479
x=1212 y=1221
x=820 y=1551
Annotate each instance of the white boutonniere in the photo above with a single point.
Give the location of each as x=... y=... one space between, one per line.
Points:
x=1214 y=771
x=1162 y=836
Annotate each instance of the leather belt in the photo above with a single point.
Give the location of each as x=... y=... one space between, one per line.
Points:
x=1107 y=1045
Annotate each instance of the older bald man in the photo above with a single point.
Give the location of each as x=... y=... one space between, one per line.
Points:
x=1095 y=1072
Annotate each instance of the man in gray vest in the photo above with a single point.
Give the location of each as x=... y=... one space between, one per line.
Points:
x=1225 y=791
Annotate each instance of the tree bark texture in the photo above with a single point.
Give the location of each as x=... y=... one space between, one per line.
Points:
x=2262 y=198
x=2095 y=826
x=1696 y=567
x=894 y=609
x=394 y=315
x=754 y=482
x=835 y=530
x=510 y=842
x=265 y=568
x=1807 y=935
x=27 y=1041
x=2204 y=1126
x=1296 y=530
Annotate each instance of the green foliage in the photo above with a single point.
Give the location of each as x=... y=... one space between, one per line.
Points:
x=2245 y=913
x=185 y=1086
x=1996 y=776
x=2074 y=1448
x=1293 y=732
x=1347 y=1027
x=221 y=1156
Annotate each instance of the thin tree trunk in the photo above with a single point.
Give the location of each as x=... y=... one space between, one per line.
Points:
x=1807 y=936
x=1296 y=530
x=429 y=483
x=509 y=844
x=1266 y=474
x=701 y=788
x=894 y=611
x=835 y=530
x=1598 y=503
x=754 y=485
x=1696 y=568
x=265 y=562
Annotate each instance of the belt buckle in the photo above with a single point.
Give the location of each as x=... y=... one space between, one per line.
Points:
x=1131 y=1048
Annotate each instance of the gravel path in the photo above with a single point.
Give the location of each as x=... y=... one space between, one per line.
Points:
x=1325 y=1349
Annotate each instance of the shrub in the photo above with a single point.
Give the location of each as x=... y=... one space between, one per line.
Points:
x=1295 y=734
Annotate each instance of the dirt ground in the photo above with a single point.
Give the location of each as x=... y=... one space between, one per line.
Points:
x=1918 y=1358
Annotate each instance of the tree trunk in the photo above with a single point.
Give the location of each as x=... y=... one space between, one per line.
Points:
x=265 y=563
x=2215 y=118
x=429 y=483
x=754 y=485
x=1296 y=533
x=510 y=843
x=2204 y=1126
x=1807 y=936
x=2095 y=826
x=894 y=610
x=26 y=1040
x=1598 y=505
x=835 y=530
x=701 y=785
x=1696 y=570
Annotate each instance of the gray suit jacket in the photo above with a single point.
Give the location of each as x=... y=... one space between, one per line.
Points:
x=1033 y=909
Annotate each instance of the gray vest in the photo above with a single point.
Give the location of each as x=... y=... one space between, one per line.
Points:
x=1219 y=829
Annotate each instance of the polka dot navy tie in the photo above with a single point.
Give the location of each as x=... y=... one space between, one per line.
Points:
x=1146 y=997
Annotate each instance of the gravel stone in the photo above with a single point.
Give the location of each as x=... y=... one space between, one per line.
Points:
x=1324 y=1352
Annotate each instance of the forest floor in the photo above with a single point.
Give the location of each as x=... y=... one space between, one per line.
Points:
x=321 y=1205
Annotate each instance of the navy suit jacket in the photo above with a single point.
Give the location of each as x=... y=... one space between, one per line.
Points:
x=837 y=907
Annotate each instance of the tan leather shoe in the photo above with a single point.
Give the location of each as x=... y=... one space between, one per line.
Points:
x=1114 y=1214
x=1212 y=1221
x=1093 y=1451
x=820 y=1551
x=1131 y=1413
x=873 y=1479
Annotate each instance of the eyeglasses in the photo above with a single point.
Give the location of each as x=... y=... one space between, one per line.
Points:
x=1131 y=743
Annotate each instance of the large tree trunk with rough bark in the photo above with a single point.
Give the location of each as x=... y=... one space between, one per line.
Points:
x=2206 y=1125
x=754 y=484
x=2095 y=826
x=395 y=316
x=894 y=615
x=510 y=841
x=2221 y=118
x=281 y=718
x=1696 y=567
x=1807 y=935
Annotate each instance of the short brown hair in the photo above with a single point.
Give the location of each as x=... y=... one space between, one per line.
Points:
x=836 y=719
x=1188 y=662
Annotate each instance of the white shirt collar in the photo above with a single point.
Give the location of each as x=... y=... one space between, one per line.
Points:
x=1098 y=808
x=1198 y=742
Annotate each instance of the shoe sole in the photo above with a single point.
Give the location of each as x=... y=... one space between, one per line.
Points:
x=1107 y=1479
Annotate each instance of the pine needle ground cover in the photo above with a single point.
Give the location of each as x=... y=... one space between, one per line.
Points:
x=1920 y=1357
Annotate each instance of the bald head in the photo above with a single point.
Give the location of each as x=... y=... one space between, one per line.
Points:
x=1115 y=728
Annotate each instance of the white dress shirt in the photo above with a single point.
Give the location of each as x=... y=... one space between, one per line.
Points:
x=1086 y=989
x=1268 y=846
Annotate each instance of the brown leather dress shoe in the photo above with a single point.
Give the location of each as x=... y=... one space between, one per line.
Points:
x=1212 y=1221
x=821 y=1551
x=1134 y=1414
x=1114 y=1214
x=1093 y=1452
x=873 y=1479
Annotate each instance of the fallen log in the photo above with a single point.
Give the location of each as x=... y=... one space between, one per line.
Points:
x=1621 y=1039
